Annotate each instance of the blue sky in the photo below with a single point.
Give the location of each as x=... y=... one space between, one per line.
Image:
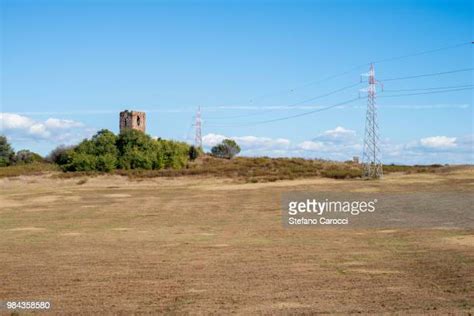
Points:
x=69 y=67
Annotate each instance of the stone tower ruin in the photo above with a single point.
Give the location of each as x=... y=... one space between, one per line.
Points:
x=132 y=120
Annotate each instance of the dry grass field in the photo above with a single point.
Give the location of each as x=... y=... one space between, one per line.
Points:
x=199 y=244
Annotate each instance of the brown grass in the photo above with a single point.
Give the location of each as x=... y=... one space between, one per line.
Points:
x=194 y=245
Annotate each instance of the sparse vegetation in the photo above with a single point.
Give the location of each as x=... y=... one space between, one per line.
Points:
x=35 y=168
x=342 y=171
x=258 y=169
x=418 y=168
x=265 y=169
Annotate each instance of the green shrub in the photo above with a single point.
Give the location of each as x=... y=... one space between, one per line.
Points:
x=25 y=156
x=81 y=162
x=227 y=149
x=175 y=154
x=60 y=155
x=104 y=143
x=136 y=150
x=130 y=139
x=106 y=162
x=131 y=149
x=97 y=154
x=136 y=159
x=193 y=153
x=6 y=152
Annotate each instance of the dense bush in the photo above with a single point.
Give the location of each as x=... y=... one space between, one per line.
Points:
x=137 y=150
x=227 y=149
x=98 y=153
x=8 y=156
x=25 y=156
x=6 y=152
x=79 y=161
x=193 y=153
x=176 y=153
x=131 y=149
x=60 y=154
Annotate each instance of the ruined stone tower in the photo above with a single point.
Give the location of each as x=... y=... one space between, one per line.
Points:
x=133 y=120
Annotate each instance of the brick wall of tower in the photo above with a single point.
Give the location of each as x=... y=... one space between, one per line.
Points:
x=133 y=120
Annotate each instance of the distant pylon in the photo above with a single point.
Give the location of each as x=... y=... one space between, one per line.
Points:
x=198 y=126
x=371 y=157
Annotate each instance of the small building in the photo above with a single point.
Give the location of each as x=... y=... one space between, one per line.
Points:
x=132 y=120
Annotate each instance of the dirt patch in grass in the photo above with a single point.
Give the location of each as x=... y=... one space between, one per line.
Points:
x=117 y=195
x=27 y=229
x=466 y=240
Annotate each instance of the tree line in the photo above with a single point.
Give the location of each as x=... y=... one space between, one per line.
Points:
x=105 y=151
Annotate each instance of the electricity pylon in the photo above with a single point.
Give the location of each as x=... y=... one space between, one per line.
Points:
x=371 y=157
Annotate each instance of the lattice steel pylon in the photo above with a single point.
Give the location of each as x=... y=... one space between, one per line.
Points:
x=372 y=157
x=198 y=126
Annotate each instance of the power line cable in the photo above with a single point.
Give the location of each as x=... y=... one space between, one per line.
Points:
x=424 y=89
x=336 y=105
x=340 y=74
x=423 y=93
x=289 y=105
x=357 y=67
x=442 y=89
x=422 y=53
x=291 y=116
x=428 y=75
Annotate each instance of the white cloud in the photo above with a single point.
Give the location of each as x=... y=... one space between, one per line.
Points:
x=441 y=142
x=210 y=140
x=54 y=123
x=342 y=144
x=22 y=127
x=39 y=129
x=248 y=142
x=337 y=135
x=434 y=149
x=14 y=121
x=338 y=143
x=262 y=142
x=311 y=146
